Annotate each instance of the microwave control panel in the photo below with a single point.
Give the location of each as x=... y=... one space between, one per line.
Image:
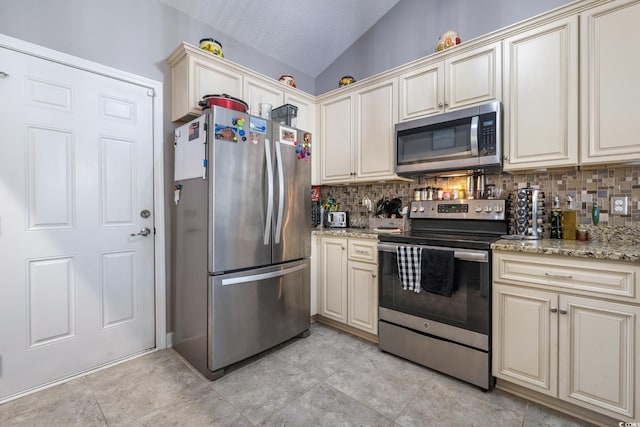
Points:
x=487 y=130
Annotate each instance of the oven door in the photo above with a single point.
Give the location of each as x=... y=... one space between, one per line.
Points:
x=463 y=317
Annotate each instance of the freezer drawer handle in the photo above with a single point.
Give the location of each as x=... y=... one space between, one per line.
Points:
x=262 y=276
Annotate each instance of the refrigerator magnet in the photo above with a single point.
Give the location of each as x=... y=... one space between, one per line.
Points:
x=258 y=125
x=288 y=136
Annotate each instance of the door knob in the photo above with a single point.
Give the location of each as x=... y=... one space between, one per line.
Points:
x=144 y=232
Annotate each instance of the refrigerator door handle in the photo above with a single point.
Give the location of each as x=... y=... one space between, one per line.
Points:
x=278 y=231
x=267 y=225
x=262 y=276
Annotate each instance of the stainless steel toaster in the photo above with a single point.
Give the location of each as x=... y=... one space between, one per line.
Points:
x=338 y=219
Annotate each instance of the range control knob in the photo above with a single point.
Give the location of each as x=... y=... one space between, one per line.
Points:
x=487 y=208
x=421 y=209
x=478 y=209
x=414 y=209
x=498 y=208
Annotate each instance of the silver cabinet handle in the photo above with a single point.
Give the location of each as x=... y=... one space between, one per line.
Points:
x=559 y=276
x=553 y=310
x=144 y=232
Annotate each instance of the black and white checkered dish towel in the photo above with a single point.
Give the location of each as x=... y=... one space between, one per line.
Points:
x=409 y=263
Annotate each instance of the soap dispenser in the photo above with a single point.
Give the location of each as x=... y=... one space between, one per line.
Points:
x=569 y=221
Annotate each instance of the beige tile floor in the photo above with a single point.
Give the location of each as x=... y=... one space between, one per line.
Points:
x=327 y=379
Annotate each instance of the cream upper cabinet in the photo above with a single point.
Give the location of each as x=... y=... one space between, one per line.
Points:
x=610 y=83
x=462 y=80
x=569 y=328
x=258 y=92
x=357 y=130
x=337 y=139
x=541 y=96
x=196 y=73
x=376 y=116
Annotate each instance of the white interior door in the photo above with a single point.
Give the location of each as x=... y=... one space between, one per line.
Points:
x=76 y=173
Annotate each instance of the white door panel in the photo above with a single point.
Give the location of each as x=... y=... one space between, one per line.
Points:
x=77 y=289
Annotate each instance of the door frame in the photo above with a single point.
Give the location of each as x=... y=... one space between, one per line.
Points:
x=155 y=87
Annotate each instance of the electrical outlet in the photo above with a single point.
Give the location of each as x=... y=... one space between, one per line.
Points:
x=619 y=205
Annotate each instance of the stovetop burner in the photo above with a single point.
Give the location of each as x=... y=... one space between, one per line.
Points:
x=470 y=224
x=428 y=238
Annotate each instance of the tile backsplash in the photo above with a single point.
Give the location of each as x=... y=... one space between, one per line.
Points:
x=584 y=186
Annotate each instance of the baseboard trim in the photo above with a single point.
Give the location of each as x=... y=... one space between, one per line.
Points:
x=558 y=405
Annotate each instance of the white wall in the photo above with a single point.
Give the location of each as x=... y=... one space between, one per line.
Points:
x=411 y=29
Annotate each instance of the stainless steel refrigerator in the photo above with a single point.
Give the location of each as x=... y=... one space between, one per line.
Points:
x=242 y=238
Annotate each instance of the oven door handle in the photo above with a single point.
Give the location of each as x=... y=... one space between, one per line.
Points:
x=461 y=254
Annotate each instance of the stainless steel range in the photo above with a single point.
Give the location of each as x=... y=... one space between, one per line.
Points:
x=444 y=321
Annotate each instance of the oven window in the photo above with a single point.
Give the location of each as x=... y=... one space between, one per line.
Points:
x=449 y=140
x=468 y=307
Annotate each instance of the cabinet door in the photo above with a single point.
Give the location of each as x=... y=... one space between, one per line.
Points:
x=192 y=78
x=376 y=115
x=525 y=337
x=541 y=96
x=421 y=91
x=257 y=92
x=336 y=147
x=333 y=282
x=610 y=79
x=473 y=77
x=363 y=296
x=598 y=353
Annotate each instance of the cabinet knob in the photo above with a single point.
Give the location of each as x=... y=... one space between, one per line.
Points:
x=563 y=311
x=446 y=104
x=343 y=248
x=553 y=310
x=373 y=275
x=440 y=105
x=505 y=157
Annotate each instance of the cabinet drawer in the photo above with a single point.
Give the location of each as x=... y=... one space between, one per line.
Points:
x=363 y=250
x=591 y=276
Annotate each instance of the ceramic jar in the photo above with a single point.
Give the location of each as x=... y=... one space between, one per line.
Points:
x=346 y=80
x=448 y=39
x=287 y=79
x=213 y=46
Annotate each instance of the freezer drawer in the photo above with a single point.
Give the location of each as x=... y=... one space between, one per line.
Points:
x=254 y=310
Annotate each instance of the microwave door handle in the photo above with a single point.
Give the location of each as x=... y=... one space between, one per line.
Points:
x=473 y=139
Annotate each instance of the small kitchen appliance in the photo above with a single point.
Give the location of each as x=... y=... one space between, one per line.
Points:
x=527 y=213
x=470 y=138
x=445 y=326
x=338 y=219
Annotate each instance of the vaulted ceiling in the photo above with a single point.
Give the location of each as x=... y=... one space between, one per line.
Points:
x=307 y=35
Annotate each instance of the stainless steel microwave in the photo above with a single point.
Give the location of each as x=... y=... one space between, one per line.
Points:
x=463 y=139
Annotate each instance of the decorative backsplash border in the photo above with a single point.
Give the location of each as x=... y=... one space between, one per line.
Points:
x=584 y=186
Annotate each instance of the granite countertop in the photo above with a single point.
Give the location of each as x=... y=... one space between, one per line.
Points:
x=605 y=250
x=359 y=233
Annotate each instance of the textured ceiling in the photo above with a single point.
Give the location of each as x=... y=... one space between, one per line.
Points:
x=305 y=34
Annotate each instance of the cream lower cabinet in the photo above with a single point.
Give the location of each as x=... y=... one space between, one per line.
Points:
x=610 y=83
x=541 y=96
x=557 y=330
x=348 y=284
